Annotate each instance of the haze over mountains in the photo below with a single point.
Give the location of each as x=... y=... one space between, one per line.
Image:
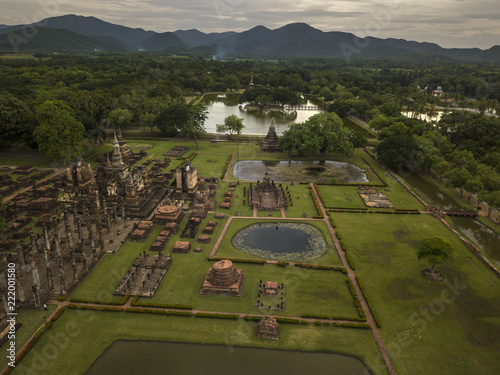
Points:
x=78 y=34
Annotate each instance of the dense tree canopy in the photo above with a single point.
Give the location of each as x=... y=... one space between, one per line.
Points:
x=320 y=134
x=183 y=120
x=59 y=135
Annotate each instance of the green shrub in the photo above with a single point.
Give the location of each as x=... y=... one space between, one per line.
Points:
x=349 y=260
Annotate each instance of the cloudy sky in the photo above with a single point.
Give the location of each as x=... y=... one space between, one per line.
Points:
x=450 y=23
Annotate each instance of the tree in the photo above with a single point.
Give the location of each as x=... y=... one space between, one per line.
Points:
x=435 y=250
x=120 y=117
x=232 y=125
x=321 y=133
x=397 y=147
x=195 y=128
x=15 y=119
x=183 y=120
x=458 y=177
x=59 y=135
x=172 y=118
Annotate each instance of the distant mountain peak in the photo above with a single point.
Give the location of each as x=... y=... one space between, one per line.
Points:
x=297 y=39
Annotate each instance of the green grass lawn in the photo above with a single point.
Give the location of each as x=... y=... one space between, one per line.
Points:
x=31 y=320
x=396 y=193
x=426 y=326
x=306 y=291
x=304 y=203
x=226 y=248
x=91 y=333
x=340 y=197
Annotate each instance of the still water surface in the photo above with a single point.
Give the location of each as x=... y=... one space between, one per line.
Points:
x=146 y=357
x=482 y=236
x=256 y=122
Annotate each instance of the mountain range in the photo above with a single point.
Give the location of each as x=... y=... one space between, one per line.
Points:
x=78 y=34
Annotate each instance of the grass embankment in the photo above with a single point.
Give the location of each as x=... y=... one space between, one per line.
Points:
x=93 y=332
x=428 y=327
x=31 y=320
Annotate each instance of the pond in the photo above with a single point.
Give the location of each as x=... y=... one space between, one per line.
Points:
x=310 y=171
x=146 y=357
x=256 y=122
x=281 y=241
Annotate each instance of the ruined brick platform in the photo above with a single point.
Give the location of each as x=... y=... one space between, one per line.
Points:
x=268 y=329
x=145 y=275
x=223 y=280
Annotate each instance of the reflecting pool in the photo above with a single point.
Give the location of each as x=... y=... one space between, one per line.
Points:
x=310 y=171
x=146 y=357
x=281 y=241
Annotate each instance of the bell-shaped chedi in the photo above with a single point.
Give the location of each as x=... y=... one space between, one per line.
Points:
x=223 y=279
x=270 y=143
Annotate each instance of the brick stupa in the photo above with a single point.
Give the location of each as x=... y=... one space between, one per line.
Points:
x=270 y=143
x=223 y=280
x=268 y=329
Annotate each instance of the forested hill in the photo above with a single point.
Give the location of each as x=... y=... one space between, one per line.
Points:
x=293 y=40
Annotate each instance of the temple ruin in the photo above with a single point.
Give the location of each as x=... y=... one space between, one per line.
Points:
x=223 y=280
x=145 y=275
x=268 y=329
x=266 y=196
x=270 y=142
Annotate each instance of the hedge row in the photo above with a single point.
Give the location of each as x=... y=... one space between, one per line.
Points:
x=98 y=308
x=318 y=208
x=227 y=166
x=144 y=311
x=36 y=337
x=356 y=300
x=288 y=320
x=217 y=316
x=369 y=303
x=349 y=260
x=160 y=305
x=367 y=211
x=283 y=264
x=313 y=316
x=179 y=313
x=102 y=302
x=241 y=260
x=319 y=267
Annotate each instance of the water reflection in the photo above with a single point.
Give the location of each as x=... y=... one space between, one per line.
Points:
x=256 y=122
x=485 y=238
x=310 y=171
x=281 y=241
x=146 y=357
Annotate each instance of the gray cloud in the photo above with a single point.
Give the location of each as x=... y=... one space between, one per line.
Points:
x=451 y=23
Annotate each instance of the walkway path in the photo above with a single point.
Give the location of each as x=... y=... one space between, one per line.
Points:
x=354 y=281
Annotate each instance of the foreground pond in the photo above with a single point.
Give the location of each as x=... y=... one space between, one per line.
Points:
x=281 y=241
x=310 y=171
x=146 y=357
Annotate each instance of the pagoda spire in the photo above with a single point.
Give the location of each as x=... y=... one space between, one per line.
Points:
x=117 y=156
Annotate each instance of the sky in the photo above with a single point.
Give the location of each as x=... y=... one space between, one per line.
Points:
x=449 y=23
